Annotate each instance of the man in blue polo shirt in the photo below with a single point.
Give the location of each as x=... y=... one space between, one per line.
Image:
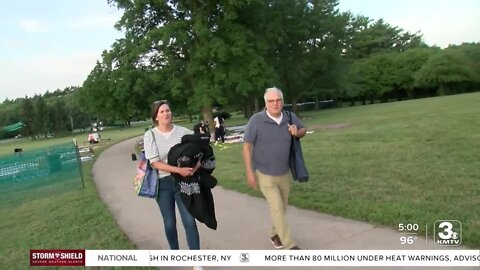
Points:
x=266 y=151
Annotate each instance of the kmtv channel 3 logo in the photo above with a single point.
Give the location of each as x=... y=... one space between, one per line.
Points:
x=447 y=232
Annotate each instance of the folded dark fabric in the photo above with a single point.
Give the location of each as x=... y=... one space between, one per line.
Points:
x=195 y=190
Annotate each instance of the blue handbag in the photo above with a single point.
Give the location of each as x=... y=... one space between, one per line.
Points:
x=149 y=186
x=296 y=162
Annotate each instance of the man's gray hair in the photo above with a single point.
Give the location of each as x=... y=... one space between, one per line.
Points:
x=272 y=89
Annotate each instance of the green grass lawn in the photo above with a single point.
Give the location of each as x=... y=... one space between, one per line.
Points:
x=72 y=220
x=415 y=161
x=109 y=135
x=406 y=162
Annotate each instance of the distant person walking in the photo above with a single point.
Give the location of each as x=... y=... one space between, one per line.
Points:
x=219 y=128
x=266 y=150
x=157 y=143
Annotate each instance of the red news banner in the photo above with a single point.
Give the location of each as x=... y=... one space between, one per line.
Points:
x=57 y=257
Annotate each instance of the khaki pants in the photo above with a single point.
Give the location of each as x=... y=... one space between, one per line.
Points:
x=276 y=189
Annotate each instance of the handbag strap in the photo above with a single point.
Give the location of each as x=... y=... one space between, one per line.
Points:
x=155 y=141
x=289 y=115
x=156 y=146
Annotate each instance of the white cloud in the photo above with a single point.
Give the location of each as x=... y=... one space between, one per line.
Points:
x=39 y=74
x=103 y=21
x=33 y=26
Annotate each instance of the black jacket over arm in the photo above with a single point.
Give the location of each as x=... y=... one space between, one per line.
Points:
x=195 y=190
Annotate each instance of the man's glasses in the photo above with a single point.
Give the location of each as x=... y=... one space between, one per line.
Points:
x=271 y=101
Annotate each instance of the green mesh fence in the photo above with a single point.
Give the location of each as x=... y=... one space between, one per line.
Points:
x=26 y=176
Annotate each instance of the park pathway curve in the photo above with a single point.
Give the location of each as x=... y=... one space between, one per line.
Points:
x=243 y=221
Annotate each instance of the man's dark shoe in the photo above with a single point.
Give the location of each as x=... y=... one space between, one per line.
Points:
x=295 y=248
x=276 y=242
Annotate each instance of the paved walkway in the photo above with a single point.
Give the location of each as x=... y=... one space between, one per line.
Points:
x=243 y=221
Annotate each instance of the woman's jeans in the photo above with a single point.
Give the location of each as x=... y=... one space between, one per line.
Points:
x=168 y=194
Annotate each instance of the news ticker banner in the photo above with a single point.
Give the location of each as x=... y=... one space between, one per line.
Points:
x=460 y=258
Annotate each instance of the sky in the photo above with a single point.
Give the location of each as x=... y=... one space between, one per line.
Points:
x=442 y=22
x=54 y=44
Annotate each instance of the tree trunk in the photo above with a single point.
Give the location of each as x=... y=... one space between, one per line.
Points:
x=207 y=115
x=247 y=109
x=441 y=90
x=71 y=122
x=294 y=105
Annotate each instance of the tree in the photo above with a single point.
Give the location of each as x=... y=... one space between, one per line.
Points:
x=404 y=67
x=28 y=114
x=471 y=51
x=77 y=116
x=200 y=52
x=378 y=67
x=390 y=74
x=10 y=113
x=445 y=71
x=58 y=117
x=372 y=81
x=306 y=44
x=368 y=37
x=94 y=95
x=7 y=101
x=41 y=117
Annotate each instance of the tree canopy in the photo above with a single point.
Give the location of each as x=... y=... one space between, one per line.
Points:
x=207 y=55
